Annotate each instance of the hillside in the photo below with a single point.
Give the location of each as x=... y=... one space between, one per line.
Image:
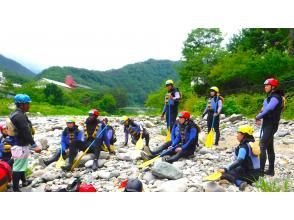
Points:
x=138 y=79
x=14 y=70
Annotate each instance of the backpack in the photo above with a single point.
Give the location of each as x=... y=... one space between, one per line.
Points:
x=255 y=148
x=11 y=129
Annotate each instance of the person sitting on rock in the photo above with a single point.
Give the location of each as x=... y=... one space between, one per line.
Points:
x=135 y=130
x=185 y=140
x=147 y=154
x=71 y=136
x=94 y=127
x=108 y=138
x=246 y=168
x=5 y=176
x=6 y=142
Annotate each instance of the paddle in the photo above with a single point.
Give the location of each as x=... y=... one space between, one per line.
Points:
x=139 y=144
x=147 y=163
x=210 y=136
x=168 y=135
x=213 y=177
x=76 y=163
x=60 y=162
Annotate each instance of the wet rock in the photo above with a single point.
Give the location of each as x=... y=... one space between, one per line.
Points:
x=166 y=170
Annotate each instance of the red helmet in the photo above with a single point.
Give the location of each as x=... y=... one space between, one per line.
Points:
x=186 y=115
x=273 y=82
x=94 y=112
x=87 y=188
x=2 y=126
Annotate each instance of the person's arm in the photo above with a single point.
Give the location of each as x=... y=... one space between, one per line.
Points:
x=271 y=106
x=63 y=142
x=177 y=140
x=81 y=136
x=220 y=106
x=192 y=137
x=126 y=135
x=177 y=96
x=240 y=158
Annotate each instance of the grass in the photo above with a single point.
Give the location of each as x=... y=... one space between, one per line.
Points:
x=272 y=186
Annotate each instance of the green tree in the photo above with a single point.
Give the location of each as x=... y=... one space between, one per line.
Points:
x=107 y=103
x=53 y=94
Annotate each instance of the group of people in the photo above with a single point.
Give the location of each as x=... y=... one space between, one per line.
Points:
x=17 y=137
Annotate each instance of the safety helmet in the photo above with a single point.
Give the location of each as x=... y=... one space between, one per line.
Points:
x=272 y=82
x=70 y=120
x=184 y=114
x=214 y=88
x=169 y=82
x=94 y=112
x=246 y=129
x=87 y=188
x=124 y=119
x=22 y=99
x=2 y=126
x=134 y=185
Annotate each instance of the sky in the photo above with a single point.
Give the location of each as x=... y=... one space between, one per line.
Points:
x=108 y=34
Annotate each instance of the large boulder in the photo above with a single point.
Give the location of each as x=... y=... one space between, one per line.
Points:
x=166 y=170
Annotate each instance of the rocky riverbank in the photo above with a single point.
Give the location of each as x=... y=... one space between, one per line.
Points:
x=182 y=176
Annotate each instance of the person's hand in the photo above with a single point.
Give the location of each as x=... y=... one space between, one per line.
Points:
x=215 y=114
x=221 y=170
x=162 y=117
x=169 y=147
x=178 y=149
x=258 y=121
x=67 y=151
x=37 y=149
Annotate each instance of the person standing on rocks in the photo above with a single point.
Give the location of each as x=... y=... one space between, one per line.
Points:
x=135 y=130
x=271 y=113
x=147 y=154
x=20 y=127
x=246 y=168
x=213 y=109
x=186 y=139
x=171 y=104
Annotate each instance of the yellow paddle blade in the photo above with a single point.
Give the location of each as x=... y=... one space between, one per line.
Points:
x=168 y=136
x=213 y=177
x=77 y=162
x=147 y=163
x=209 y=139
x=139 y=144
x=112 y=148
x=60 y=162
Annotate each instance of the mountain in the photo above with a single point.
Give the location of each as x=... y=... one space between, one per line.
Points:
x=138 y=79
x=14 y=70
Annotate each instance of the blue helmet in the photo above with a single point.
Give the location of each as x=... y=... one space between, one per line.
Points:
x=22 y=99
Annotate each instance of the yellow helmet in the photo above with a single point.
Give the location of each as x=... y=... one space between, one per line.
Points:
x=169 y=82
x=246 y=129
x=124 y=119
x=214 y=88
x=70 y=120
